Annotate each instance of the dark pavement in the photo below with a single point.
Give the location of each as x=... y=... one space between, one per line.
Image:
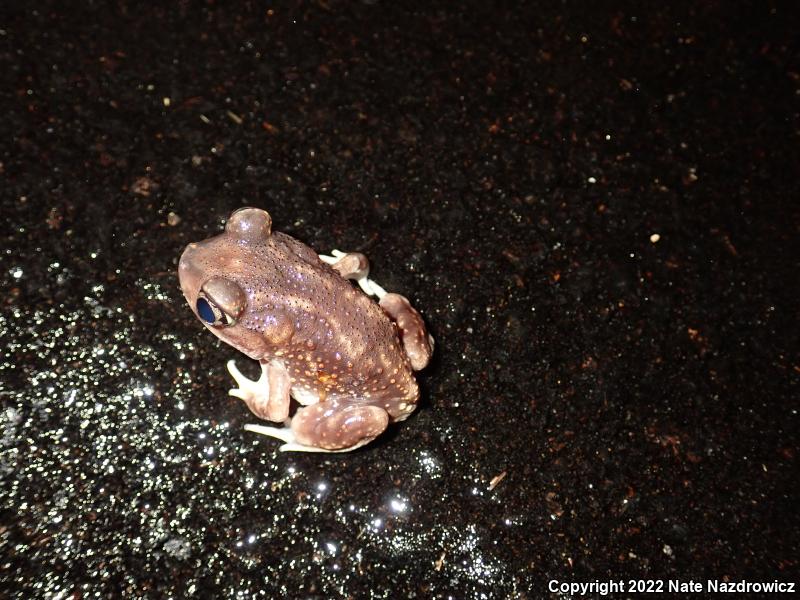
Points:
x=595 y=208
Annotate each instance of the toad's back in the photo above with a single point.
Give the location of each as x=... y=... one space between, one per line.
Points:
x=342 y=343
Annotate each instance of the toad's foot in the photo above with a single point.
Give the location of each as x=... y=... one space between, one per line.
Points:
x=286 y=435
x=268 y=396
x=355 y=266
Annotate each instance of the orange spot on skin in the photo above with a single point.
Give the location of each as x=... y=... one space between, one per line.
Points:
x=324 y=379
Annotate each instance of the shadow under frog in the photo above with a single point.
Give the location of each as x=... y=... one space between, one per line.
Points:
x=345 y=358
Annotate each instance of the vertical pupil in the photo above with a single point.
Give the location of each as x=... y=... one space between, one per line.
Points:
x=205 y=311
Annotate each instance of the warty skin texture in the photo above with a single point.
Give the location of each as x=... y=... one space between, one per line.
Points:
x=314 y=333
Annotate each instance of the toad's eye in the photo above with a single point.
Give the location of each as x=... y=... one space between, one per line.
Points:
x=220 y=302
x=212 y=314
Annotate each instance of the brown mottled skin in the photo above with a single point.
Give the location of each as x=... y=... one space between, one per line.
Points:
x=316 y=335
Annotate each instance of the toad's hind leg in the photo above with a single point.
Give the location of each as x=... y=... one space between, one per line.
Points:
x=339 y=426
x=329 y=427
x=355 y=266
x=417 y=342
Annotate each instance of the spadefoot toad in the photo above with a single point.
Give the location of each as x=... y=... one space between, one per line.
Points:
x=347 y=360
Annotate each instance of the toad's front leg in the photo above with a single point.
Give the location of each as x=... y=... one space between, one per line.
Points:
x=268 y=396
x=331 y=426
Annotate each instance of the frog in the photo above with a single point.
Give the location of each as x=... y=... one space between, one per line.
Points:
x=338 y=353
